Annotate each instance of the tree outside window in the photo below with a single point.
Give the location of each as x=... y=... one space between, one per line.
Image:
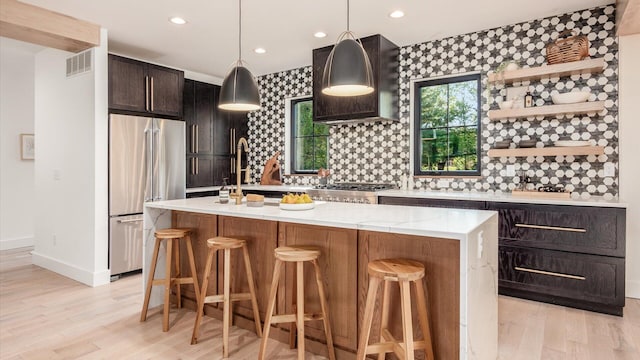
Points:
x=447 y=123
x=310 y=141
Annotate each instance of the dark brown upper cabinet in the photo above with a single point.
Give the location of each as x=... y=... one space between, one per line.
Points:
x=139 y=88
x=211 y=136
x=200 y=105
x=382 y=104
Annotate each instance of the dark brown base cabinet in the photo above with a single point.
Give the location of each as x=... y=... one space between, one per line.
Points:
x=567 y=255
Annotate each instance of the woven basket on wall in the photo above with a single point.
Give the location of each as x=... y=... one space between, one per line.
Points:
x=567 y=48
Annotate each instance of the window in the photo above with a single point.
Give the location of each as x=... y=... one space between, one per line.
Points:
x=447 y=126
x=309 y=141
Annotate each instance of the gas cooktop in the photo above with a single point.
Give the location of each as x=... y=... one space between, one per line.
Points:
x=363 y=193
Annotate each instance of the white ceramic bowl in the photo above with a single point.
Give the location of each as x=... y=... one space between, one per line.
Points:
x=306 y=206
x=508 y=104
x=571 y=97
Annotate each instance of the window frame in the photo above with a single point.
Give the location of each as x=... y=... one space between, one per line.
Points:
x=292 y=136
x=417 y=133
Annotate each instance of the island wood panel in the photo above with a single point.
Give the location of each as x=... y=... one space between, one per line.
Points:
x=441 y=258
x=338 y=266
x=203 y=227
x=261 y=237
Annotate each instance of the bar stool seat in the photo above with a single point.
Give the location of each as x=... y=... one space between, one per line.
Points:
x=226 y=245
x=298 y=255
x=404 y=272
x=172 y=237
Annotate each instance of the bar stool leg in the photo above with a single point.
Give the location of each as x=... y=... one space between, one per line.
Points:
x=293 y=329
x=147 y=293
x=252 y=290
x=384 y=318
x=407 y=326
x=225 y=309
x=325 y=310
x=192 y=264
x=374 y=282
x=424 y=319
x=300 y=308
x=176 y=263
x=203 y=295
x=167 y=286
x=272 y=302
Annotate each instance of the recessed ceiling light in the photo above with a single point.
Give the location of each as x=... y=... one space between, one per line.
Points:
x=260 y=50
x=397 y=14
x=177 y=20
x=319 y=34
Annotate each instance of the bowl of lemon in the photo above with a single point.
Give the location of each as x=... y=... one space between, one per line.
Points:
x=297 y=202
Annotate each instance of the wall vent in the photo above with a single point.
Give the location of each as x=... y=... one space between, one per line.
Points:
x=80 y=63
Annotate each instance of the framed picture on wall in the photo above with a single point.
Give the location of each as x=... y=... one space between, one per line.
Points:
x=27 y=147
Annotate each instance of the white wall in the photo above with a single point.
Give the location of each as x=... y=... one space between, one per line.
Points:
x=71 y=171
x=629 y=104
x=16 y=117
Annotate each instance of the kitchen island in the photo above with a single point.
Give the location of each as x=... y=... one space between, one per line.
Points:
x=458 y=247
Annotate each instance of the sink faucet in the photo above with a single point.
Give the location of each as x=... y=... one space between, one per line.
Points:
x=242 y=143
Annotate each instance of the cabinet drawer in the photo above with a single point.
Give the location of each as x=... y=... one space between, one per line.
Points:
x=588 y=230
x=596 y=279
x=426 y=202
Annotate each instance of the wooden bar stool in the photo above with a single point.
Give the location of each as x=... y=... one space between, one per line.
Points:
x=402 y=271
x=299 y=255
x=173 y=236
x=226 y=244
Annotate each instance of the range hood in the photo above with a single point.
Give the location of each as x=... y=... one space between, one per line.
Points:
x=381 y=105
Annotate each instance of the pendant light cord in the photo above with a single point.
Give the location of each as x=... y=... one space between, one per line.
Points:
x=239 y=30
x=347 y=15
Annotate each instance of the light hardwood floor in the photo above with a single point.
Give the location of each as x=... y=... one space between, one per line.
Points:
x=46 y=316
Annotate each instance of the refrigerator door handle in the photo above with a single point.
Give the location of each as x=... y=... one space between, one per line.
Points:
x=156 y=159
x=149 y=164
x=197 y=140
x=128 y=221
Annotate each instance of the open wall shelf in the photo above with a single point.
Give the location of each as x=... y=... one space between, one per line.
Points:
x=547 y=151
x=577 y=108
x=588 y=66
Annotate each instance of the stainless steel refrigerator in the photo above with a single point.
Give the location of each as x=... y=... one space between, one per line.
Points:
x=146 y=163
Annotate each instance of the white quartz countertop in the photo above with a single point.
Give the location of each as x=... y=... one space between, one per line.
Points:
x=597 y=201
x=283 y=188
x=421 y=221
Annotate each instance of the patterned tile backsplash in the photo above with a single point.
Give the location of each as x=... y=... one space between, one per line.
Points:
x=380 y=152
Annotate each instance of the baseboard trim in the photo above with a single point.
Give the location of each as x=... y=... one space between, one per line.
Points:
x=633 y=289
x=15 y=243
x=89 y=278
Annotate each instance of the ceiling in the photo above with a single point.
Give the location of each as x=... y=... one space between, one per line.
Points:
x=208 y=43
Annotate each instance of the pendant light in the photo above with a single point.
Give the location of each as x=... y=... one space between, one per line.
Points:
x=239 y=90
x=347 y=71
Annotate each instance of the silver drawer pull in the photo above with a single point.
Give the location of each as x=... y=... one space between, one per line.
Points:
x=543 y=227
x=551 y=273
x=129 y=220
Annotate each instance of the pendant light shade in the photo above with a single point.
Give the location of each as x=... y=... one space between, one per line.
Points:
x=347 y=71
x=239 y=90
